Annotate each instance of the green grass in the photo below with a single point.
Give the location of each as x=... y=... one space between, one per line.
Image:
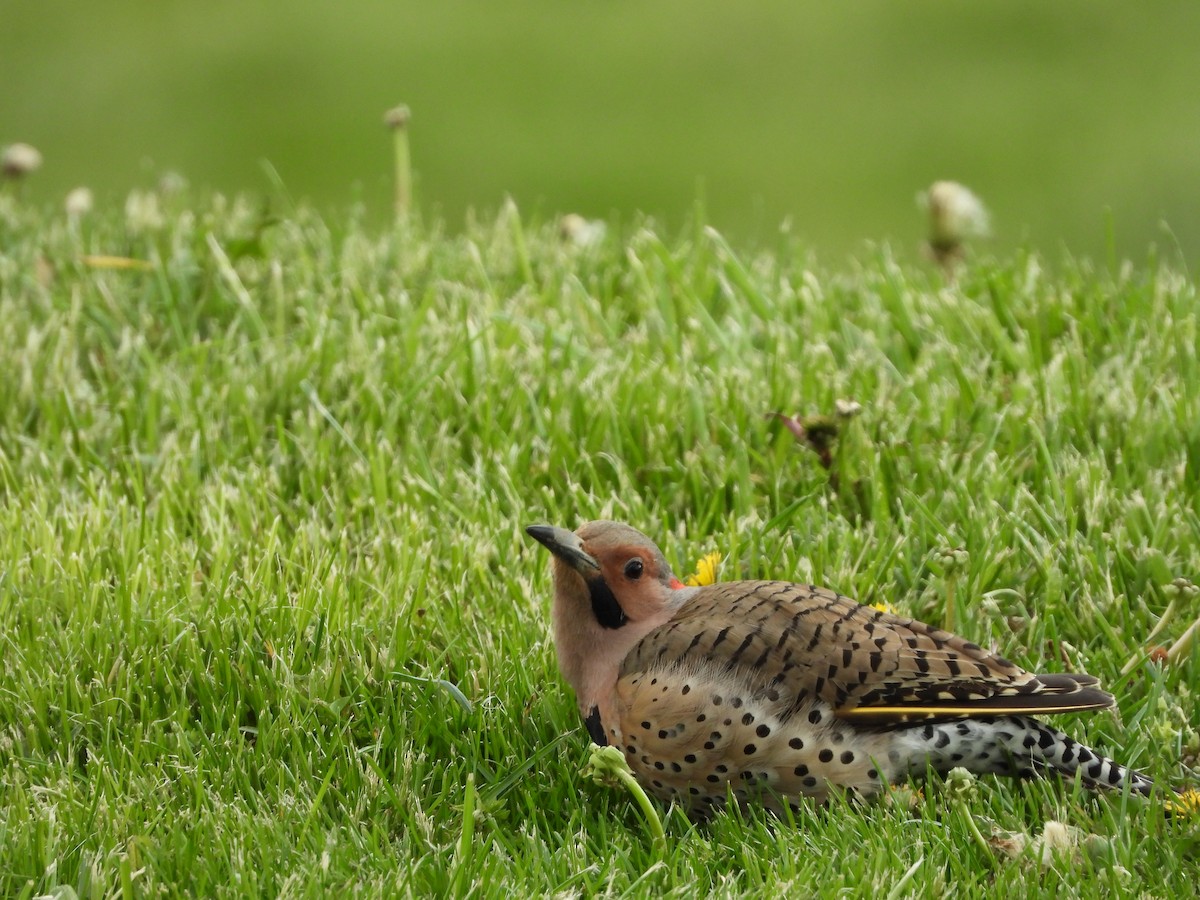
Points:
x=258 y=499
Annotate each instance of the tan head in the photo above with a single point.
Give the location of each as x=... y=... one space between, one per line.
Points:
x=612 y=587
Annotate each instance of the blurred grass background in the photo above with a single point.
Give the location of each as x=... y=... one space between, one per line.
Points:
x=1077 y=122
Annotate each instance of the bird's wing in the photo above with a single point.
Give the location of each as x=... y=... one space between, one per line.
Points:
x=806 y=643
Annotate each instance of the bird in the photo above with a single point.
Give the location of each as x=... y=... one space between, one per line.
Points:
x=779 y=693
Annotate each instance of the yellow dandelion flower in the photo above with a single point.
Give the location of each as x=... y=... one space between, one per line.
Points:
x=706 y=571
x=884 y=607
x=1186 y=804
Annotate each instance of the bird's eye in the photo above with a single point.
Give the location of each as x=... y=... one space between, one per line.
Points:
x=633 y=569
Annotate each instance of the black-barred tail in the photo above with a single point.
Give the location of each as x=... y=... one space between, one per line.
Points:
x=1012 y=745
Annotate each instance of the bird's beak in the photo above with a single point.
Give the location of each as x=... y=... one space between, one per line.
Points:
x=566 y=546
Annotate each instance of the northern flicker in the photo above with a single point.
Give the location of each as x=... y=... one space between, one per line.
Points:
x=777 y=691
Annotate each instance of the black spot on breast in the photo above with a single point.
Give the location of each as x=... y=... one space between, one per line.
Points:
x=815 y=716
x=796 y=744
x=825 y=756
x=605 y=607
x=762 y=731
x=594 y=728
x=847 y=757
x=749 y=749
x=801 y=770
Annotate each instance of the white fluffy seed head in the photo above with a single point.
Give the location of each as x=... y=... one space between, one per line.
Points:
x=397 y=117
x=19 y=160
x=78 y=203
x=575 y=229
x=955 y=213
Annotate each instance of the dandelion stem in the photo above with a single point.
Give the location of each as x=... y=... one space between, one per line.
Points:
x=403 y=173
x=397 y=120
x=649 y=813
x=973 y=827
x=606 y=765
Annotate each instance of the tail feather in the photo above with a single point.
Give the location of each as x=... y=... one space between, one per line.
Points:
x=1015 y=745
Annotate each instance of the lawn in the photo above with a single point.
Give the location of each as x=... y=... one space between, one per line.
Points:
x=271 y=625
